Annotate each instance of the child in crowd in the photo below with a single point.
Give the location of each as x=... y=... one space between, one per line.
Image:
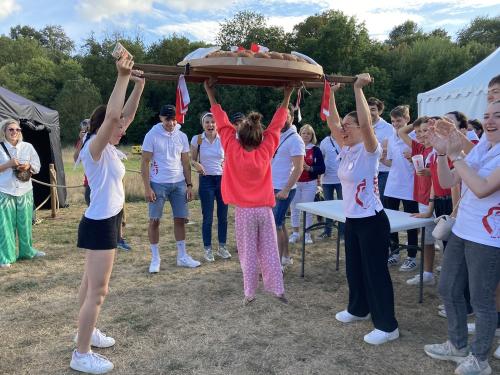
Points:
x=247 y=184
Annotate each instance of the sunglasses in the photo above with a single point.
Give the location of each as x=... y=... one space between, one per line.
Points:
x=14 y=130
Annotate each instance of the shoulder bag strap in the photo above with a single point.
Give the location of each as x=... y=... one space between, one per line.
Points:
x=6 y=151
x=288 y=136
x=199 y=142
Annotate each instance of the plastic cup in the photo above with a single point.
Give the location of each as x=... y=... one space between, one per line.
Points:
x=418 y=162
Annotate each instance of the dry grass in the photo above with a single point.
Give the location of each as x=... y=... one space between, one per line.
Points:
x=185 y=321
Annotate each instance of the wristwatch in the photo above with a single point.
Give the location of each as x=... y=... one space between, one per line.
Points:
x=189 y=185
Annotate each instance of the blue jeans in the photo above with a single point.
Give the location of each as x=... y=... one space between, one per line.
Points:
x=209 y=190
x=281 y=208
x=481 y=264
x=328 y=190
x=382 y=181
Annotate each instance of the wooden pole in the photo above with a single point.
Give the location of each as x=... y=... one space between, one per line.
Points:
x=53 y=190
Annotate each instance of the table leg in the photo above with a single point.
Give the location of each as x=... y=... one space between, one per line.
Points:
x=422 y=249
x=303 y=243
x=338 y=246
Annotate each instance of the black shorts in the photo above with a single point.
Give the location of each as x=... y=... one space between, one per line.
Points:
x=99 y=234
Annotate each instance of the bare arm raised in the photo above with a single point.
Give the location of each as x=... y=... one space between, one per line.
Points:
x=364 y=118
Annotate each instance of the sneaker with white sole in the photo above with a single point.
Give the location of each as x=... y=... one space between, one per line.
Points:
x=308 y=239
x=408 y=265
x=5 y=265
x=473 y=366
x=209 y=255
x=223 y=252
x=99 y=339
x=378 y=337
x=294 y=237
x=393 y=260
x=446 y=352
x=90 y=362
x=286 y=261
x=427 y=280
x=154 y=267
x=188 y=262
x=39 y=254
x=497 y=352
x=346 y=317
x=471 y=329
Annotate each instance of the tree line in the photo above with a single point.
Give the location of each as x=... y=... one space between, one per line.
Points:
x=42 y=65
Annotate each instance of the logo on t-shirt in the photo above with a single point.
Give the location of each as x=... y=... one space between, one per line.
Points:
x=360 y=190
x=491 y=222
x=154 y=168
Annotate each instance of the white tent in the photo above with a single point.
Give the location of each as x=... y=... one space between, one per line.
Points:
x=466 y=93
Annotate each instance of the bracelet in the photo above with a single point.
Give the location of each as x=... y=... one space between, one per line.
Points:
x=441 y=154
x=189 y=185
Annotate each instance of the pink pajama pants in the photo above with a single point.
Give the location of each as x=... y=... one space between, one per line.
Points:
x=258 y=250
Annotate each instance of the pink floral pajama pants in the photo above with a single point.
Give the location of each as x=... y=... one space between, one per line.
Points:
x=257 y=244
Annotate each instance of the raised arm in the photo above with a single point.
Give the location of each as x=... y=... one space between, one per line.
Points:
x=404 y=134
x=364 y=118
x=224 y=127
x=113 y=109
x=333 y=120
x=130 y=108
x=277 y=122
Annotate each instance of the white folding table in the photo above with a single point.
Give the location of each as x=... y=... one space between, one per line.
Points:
x=399 y=221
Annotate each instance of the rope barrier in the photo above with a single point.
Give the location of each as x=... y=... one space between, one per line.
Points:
x=59 y=186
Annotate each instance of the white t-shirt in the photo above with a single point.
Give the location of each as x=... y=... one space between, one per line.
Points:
x=358 y=172
x=478 y=220
x=24 y=152
x=211 y=155
x=167 y=147
x=330 y=150
x=291 y=144
x=383 y=131
x=105 y=178
x=400 y=180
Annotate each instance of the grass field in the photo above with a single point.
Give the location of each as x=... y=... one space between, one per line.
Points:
x=192 y=321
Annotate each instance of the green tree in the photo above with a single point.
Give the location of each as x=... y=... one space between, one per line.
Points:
x=74 y=102
x=235 y=31
x=481 y=30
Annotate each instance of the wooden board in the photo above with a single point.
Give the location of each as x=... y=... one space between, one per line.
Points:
x=254 y=67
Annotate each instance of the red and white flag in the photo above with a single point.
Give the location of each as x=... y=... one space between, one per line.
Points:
x=181 y=100
x=254 y=47
x=325 y=102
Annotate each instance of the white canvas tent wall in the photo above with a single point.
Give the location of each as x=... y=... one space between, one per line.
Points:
x=466 y=93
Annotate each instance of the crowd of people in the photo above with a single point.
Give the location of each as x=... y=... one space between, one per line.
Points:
x=266 y=171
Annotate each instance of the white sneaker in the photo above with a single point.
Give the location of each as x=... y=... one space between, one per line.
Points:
x=427 y=280
x=346 y=317
x=187 y=262
x=471 y=329
x=5 y=265
x=472 y=365
x=393 y=260
x=154 y=267
x=446 y=352
x=39 y=254
x=378 y=337
x=91 y=363
x=308 y=239
x=209 y=256
x=294 y=237
x=286 y=261
x=408 y=265
x=497 y=352
x=223 y=252
x=99 y=339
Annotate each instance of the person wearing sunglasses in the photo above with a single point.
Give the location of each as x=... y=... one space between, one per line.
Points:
x=16 y=195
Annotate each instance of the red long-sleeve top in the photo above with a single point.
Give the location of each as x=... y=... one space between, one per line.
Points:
x=246 y=178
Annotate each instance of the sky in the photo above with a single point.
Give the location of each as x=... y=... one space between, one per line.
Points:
x=199 y=20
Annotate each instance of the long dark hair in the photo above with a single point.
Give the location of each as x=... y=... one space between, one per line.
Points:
x=96 y=120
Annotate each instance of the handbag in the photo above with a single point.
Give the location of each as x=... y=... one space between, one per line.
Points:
x=444 y=223
x=23 y=176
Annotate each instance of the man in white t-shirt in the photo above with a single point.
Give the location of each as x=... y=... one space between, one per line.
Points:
x=166 y=174
x=383 y=131
x=287 y=166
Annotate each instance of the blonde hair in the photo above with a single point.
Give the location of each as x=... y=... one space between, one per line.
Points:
x=3 y=128
x=308 y=127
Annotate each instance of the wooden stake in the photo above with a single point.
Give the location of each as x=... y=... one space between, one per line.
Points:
x=53 y=190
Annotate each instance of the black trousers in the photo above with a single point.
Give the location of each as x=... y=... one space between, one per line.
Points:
x=370 y=284
x=410 y=207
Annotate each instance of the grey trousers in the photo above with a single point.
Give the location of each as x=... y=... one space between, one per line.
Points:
x=481 y=264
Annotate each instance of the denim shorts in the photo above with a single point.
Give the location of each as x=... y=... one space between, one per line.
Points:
x=281 y=208
x=175 y=193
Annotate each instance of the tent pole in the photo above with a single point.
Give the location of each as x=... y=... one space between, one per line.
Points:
x=53 y=190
